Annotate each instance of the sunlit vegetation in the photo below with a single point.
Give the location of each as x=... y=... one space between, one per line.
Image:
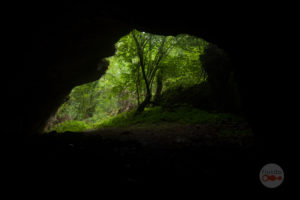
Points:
x=182 y=114
x=151 y=79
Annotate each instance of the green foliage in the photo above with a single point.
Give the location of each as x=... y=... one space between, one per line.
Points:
x=183 y=114
x=120 y=120
x=167 y=66
x=179 y=64
x=72 y=126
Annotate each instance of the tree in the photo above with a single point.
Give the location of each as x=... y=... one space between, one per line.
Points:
x=150 y=50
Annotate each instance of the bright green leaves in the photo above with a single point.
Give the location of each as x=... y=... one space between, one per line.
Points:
x=167 y=62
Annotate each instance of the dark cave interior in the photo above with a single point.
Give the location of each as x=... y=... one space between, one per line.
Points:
x=65 y=42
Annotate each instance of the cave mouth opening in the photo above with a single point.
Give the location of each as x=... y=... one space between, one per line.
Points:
x=189 y=124
x=154 y=82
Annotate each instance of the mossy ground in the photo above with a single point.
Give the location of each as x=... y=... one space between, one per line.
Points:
x=225 y=124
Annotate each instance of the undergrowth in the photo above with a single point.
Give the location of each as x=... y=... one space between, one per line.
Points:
x=156 y=115
x=181 y=114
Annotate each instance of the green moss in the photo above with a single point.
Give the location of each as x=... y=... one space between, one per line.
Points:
x=72 y=126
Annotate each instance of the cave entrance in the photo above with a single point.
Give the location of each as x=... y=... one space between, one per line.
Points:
x=144 y=65
x=167 y=82
x=163 y=103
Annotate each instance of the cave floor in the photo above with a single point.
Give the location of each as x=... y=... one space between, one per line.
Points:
x=170 y=154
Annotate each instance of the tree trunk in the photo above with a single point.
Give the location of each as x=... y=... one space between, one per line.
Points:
x=142 y=106
x=140 y=52
x=138 y=82
x=159 y=86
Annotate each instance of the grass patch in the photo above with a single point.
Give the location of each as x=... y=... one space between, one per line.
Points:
x=71 y=126
x=156 y=115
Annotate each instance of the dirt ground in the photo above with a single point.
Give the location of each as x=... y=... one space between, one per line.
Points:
x=169 y=154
